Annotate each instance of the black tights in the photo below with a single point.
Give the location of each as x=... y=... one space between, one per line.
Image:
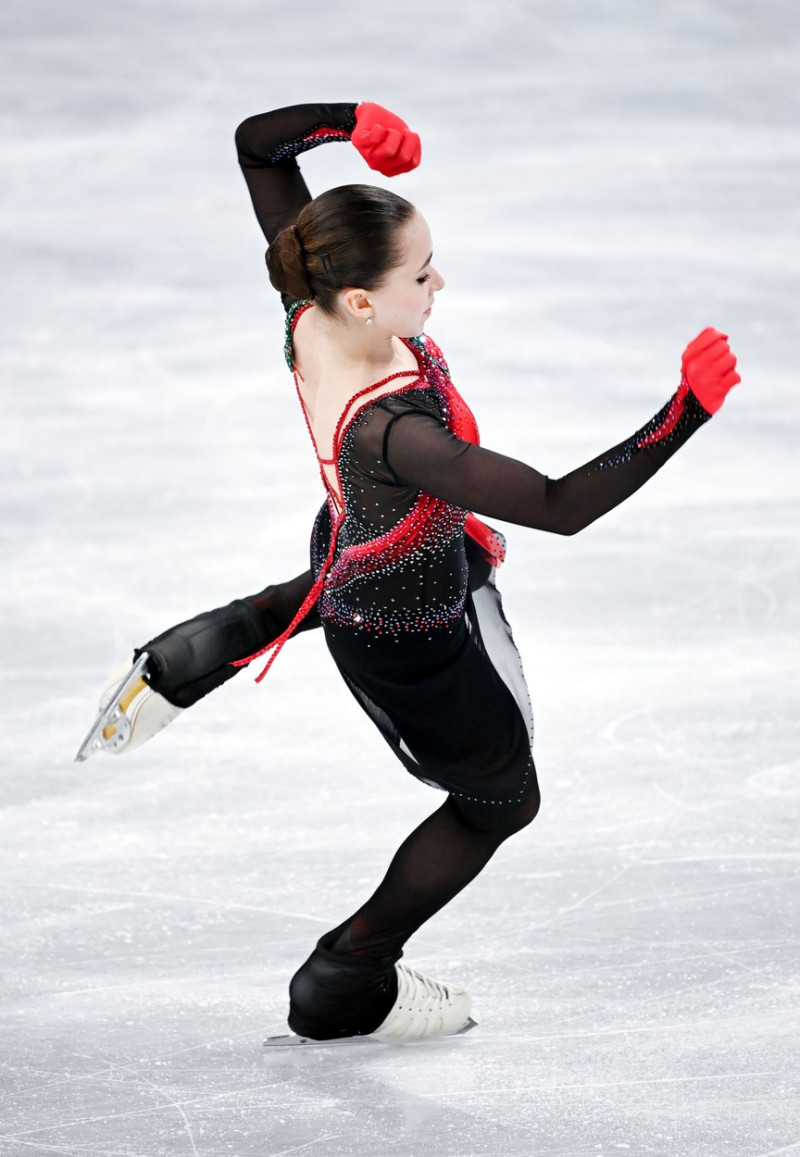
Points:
x=348 y=984
x=430 y=867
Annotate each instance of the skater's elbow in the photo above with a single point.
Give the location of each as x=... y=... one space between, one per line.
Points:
x=560 y=513
x=243 y=140
x=565 y=526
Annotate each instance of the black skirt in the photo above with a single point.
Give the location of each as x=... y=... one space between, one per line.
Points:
x=452 y=703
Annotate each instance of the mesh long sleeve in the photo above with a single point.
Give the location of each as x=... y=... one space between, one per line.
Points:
x=267 y=146
x=418 y=451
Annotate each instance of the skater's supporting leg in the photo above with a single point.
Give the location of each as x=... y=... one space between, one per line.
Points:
x=349 y=983
x=431 y=866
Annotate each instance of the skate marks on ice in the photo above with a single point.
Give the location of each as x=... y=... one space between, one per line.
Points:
x=299 y=1100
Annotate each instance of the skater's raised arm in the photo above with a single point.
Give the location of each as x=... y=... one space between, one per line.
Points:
x=268 y=145
x=419 y=451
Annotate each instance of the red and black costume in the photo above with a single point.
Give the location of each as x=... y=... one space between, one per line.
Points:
x=402 y=582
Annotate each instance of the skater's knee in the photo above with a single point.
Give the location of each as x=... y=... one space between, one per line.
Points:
x=528 y=809
x=521 y=814
x=502 y=819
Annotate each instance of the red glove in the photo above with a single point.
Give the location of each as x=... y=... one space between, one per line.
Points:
x=709 y=368
x=385 y=142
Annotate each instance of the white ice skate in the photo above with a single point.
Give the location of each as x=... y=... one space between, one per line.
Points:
x=129 y=713
x=425 y=1008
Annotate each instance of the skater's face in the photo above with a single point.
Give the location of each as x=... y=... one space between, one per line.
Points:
x=403 y=303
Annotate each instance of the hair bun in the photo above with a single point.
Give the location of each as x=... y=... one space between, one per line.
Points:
x=348 y=236
x=287 y=266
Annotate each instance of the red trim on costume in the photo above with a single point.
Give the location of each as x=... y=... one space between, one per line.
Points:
x=671 y=418
x=325 y=133
x=409 y=534
x=491 y=544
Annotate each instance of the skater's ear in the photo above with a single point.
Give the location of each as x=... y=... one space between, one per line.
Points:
x=356 y=305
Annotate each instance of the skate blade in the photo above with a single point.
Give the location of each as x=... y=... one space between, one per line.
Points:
x=113 y=712
x=291 y=1040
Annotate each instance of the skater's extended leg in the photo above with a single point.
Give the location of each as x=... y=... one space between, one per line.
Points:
x=186 y=662
x=193 y=658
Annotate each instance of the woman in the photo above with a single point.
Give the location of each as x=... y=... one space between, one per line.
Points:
x=402 y=578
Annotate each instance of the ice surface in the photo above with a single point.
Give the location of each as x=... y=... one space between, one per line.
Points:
x=602 y=180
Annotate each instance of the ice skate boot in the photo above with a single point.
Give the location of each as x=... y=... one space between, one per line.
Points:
x=425 y=1008
x=129 y=713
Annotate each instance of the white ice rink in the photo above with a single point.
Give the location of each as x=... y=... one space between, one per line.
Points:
x=603 y=178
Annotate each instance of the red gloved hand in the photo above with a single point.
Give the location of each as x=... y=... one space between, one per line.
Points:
x=710 y=369
x=385 y=142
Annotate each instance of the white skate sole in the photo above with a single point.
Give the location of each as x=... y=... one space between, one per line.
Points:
x=291 y=1040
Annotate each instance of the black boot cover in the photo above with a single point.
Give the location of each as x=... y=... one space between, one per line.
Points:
x=337 y=994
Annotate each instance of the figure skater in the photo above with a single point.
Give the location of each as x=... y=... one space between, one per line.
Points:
x=402 y=575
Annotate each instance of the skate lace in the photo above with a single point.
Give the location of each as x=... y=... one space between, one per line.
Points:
x=423 y=991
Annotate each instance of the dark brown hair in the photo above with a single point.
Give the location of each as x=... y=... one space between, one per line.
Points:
x=346 y=237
